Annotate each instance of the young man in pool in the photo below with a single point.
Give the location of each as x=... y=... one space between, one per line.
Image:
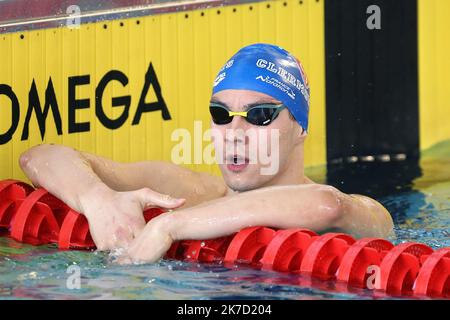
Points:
x=261 y=88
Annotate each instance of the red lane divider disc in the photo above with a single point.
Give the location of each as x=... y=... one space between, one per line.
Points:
x=434 y=276
x=324 y=255
x=192 y=250
x=207 y=250
x=59 y=208
x=286 y=250
x=176 y=251
x=10 y=192
x=74 y=232
x=34 y=223
x=215 y=249
x=248 y=245
x=400 y=267
x=151 y=213
x=38 y=218
x=8 y=209
x=13 y=189
x=359 y=257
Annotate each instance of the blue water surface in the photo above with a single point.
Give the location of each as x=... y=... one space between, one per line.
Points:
x=418 y=196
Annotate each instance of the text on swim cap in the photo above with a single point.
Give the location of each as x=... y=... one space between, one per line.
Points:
x=283 y=73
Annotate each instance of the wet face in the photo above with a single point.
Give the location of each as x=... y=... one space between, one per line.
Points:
x=251 y=156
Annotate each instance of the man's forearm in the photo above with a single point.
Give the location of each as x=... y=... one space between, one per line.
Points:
x=63 y=171
x=72 y=175
x=309 y=206
x=316 y=207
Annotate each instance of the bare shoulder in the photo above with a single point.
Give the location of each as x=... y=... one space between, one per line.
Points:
x=367 y=200
x=210 y=181
x=374 y=205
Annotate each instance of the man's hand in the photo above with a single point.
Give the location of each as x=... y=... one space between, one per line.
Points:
x=152 y=243
x=116 y=218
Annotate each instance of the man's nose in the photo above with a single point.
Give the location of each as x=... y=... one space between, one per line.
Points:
x=236 y=132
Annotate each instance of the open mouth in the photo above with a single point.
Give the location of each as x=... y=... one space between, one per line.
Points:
x=237 y=163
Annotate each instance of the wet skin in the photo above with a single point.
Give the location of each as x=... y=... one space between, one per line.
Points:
x=112 y=195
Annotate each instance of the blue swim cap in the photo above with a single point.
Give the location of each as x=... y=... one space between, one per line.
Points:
x=271 y=70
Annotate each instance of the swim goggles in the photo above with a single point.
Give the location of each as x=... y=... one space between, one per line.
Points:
x=259 y=115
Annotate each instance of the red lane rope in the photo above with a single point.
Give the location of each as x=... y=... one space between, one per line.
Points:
x=36 y=217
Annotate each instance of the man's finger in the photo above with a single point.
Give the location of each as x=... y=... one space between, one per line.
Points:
x=150 y=198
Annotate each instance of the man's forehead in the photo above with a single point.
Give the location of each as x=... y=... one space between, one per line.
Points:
x=242 y=97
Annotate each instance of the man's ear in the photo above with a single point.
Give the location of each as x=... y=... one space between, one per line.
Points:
x=300 y=134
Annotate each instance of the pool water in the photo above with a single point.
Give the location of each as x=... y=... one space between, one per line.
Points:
x=417 y=195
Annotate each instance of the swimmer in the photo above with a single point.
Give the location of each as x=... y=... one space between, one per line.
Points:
x=262 y=88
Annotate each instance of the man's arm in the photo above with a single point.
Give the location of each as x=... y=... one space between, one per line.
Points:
x=112 y=195
x=161 y=176
x=317 y=207
x=69 y=174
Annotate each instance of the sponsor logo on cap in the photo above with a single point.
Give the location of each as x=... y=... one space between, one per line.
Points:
x=278 y=84
x=219 y=78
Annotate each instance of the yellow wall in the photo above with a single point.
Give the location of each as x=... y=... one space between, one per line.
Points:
x=186 y=54
x=434 y=71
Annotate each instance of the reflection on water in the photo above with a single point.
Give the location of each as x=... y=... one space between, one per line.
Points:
x=375 y=179
x=416 y=194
